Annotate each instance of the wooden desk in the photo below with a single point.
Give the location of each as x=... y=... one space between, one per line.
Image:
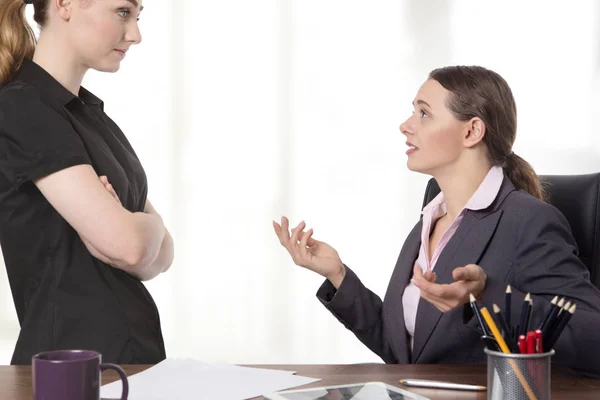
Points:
x=15 y=381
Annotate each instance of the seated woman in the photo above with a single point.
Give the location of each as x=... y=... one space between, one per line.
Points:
x=488 y=228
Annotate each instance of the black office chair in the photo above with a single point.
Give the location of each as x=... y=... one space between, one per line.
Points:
x=578 y=198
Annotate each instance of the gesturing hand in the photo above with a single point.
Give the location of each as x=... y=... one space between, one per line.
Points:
x=446 y=297
x=309 y=253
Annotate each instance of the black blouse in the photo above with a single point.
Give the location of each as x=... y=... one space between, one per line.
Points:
x=65 y=298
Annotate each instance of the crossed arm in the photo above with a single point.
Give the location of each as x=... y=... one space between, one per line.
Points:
x=137 y=243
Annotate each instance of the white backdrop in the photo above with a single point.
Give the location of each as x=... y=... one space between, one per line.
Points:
x=244 y=111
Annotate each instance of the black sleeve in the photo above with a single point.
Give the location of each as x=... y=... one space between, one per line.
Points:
x=35 y=139
x=546 y=264
x=360 y=310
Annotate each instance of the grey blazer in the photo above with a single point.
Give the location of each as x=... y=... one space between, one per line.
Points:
x=518 y=240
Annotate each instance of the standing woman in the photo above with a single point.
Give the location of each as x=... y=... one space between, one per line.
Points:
x=78 y=234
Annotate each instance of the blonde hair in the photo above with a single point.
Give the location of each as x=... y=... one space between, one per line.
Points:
x=17 y=40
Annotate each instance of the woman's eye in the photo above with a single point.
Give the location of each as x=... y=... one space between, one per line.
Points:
x=423 y=114
x=123 y=13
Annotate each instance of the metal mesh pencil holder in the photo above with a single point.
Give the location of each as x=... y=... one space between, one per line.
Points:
x=518 y=376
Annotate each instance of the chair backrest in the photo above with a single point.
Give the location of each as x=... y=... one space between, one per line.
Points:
x=578 y=198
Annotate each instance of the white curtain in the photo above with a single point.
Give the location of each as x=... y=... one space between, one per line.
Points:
x=245 y=111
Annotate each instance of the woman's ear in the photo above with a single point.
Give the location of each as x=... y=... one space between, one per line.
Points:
x=475 y=131
x=63 y=8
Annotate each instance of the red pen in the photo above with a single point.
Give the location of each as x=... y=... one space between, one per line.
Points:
x=539 y=341
x=530 y=342
x=522 y=346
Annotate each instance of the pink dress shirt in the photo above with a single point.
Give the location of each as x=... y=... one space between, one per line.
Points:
x=482 y=198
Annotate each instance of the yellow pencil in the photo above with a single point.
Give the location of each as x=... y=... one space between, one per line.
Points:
x=492 y=325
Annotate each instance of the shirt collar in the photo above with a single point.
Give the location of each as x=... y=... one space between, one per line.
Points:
x=436 y=202
x=50 y=88
x=90 y=98
x=488 y=189
x=483 y=196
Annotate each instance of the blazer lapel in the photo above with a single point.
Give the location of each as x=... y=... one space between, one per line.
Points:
x=393 y=308
x=471 y=238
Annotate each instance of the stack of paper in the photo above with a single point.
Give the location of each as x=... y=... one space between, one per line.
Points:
x=175 y=379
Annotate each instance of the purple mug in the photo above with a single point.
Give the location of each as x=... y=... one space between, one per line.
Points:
x=71 y=375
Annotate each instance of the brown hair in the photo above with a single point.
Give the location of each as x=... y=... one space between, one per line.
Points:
x=17 y=40
x=478 y=92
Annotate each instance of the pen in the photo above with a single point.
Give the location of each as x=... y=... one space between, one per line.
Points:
x=539 y=341
x=440 y=385
x=490 y=343
x=549 y=312
x=522 y=345
x=478 y=314
x=530 y=340
x=528 y=316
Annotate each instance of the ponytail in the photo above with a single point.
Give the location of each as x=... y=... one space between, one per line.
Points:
x=17 y=40
x=482 y=93
x=523 y=176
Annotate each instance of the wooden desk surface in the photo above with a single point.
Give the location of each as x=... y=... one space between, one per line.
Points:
x=15 y=381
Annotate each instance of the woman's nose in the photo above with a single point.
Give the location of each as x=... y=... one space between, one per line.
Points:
x=406 y=128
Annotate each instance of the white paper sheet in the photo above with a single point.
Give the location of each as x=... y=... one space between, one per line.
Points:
x=189 y=379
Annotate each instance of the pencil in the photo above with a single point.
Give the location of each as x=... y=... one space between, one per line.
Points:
x=490 y=322
x=522 y=327
x=548 y=312
x=560 y=326
x=505 y=332
x=551 y=320
x=565 y=308
x=507 y=307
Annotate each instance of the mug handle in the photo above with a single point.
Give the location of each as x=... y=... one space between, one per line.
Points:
x=122 y=374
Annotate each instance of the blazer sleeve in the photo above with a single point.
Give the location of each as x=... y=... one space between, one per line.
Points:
x=360 y=310
x=545 y=265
